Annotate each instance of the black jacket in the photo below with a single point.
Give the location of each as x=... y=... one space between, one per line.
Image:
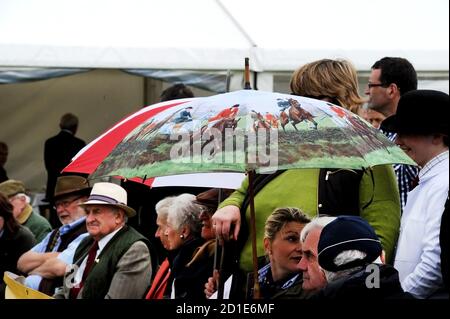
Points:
x=189 y=281
x=58 y=152
x=12 y=246
x=3 y=175
x=354 y=286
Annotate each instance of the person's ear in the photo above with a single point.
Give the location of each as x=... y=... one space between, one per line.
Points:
x=383 y=257
x=393 y=90
x=267 y=246
x=185 y=231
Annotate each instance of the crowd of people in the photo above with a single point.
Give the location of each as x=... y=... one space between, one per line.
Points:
x=376 y=233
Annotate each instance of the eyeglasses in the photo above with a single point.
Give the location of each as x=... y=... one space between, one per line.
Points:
x=372 y=85
x=66 y=203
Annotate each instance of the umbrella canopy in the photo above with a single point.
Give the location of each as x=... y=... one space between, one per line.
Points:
x=248 y=130
x=88 y=159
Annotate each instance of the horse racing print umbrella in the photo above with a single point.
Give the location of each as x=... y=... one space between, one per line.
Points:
x=248 y=130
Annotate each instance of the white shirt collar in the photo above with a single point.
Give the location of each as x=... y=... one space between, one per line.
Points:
x=102 y=242
x=65 y=228
x=432 y=163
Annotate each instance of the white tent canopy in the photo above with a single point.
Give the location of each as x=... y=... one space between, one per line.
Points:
x=216 y=34
x=201 y=43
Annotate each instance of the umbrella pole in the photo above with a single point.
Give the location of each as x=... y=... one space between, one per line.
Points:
x=220 y=280
x=247 y=75
x=256 y=288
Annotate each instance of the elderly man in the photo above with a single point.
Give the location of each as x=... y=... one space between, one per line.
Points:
x=421 y=124
x=114 y=260
x=313 y=275
x=22 y=210
x=350 y=254
x=46 y=262
x=336 y=252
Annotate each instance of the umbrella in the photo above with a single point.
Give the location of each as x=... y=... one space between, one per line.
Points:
x=249 y=131
x=87 y=160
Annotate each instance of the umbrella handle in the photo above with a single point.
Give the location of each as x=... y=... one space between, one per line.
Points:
x=256 y=287
x=220 y=282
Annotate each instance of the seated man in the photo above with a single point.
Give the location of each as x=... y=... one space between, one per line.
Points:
x=350 y=254
x=46 y=262
x=114 y=260
x=22 y=210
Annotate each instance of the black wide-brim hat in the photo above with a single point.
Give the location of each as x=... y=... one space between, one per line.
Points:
x=420 y=112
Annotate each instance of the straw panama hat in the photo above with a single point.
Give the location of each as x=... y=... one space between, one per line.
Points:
x=109 y=194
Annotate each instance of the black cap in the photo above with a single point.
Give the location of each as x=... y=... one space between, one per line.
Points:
x=347 y=233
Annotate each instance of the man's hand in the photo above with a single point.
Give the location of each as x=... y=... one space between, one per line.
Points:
x=31 y=260
x=51 y=268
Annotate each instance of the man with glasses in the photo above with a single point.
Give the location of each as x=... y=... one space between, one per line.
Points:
x=23 y=212
x=46 y=262
x=391 y=78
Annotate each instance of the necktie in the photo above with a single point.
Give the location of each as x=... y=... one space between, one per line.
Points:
x=53 y=241
x=89 y=263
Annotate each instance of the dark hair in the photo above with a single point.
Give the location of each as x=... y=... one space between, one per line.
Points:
x=446 y=140
x=69 y=122
x=210 y=198
x=398 y=71
x=6 y=211
x=177 y=91
x=3 y=147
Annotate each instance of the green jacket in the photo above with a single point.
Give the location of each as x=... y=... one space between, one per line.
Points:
x=38 y=225
x=379 y=203
x=99 y=280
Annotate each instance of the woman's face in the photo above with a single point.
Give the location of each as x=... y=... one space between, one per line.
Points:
x=175 y=238
x=207 y=230
x=161 y=222
x=285 y=250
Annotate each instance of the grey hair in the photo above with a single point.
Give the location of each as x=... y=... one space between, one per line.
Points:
x=27 y=198
x=185 y=212
x=162 y=207
x=317 y=222
x=343 y=258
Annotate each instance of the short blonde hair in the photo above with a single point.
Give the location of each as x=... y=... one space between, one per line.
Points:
x=280 y=217
x=335 y=79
